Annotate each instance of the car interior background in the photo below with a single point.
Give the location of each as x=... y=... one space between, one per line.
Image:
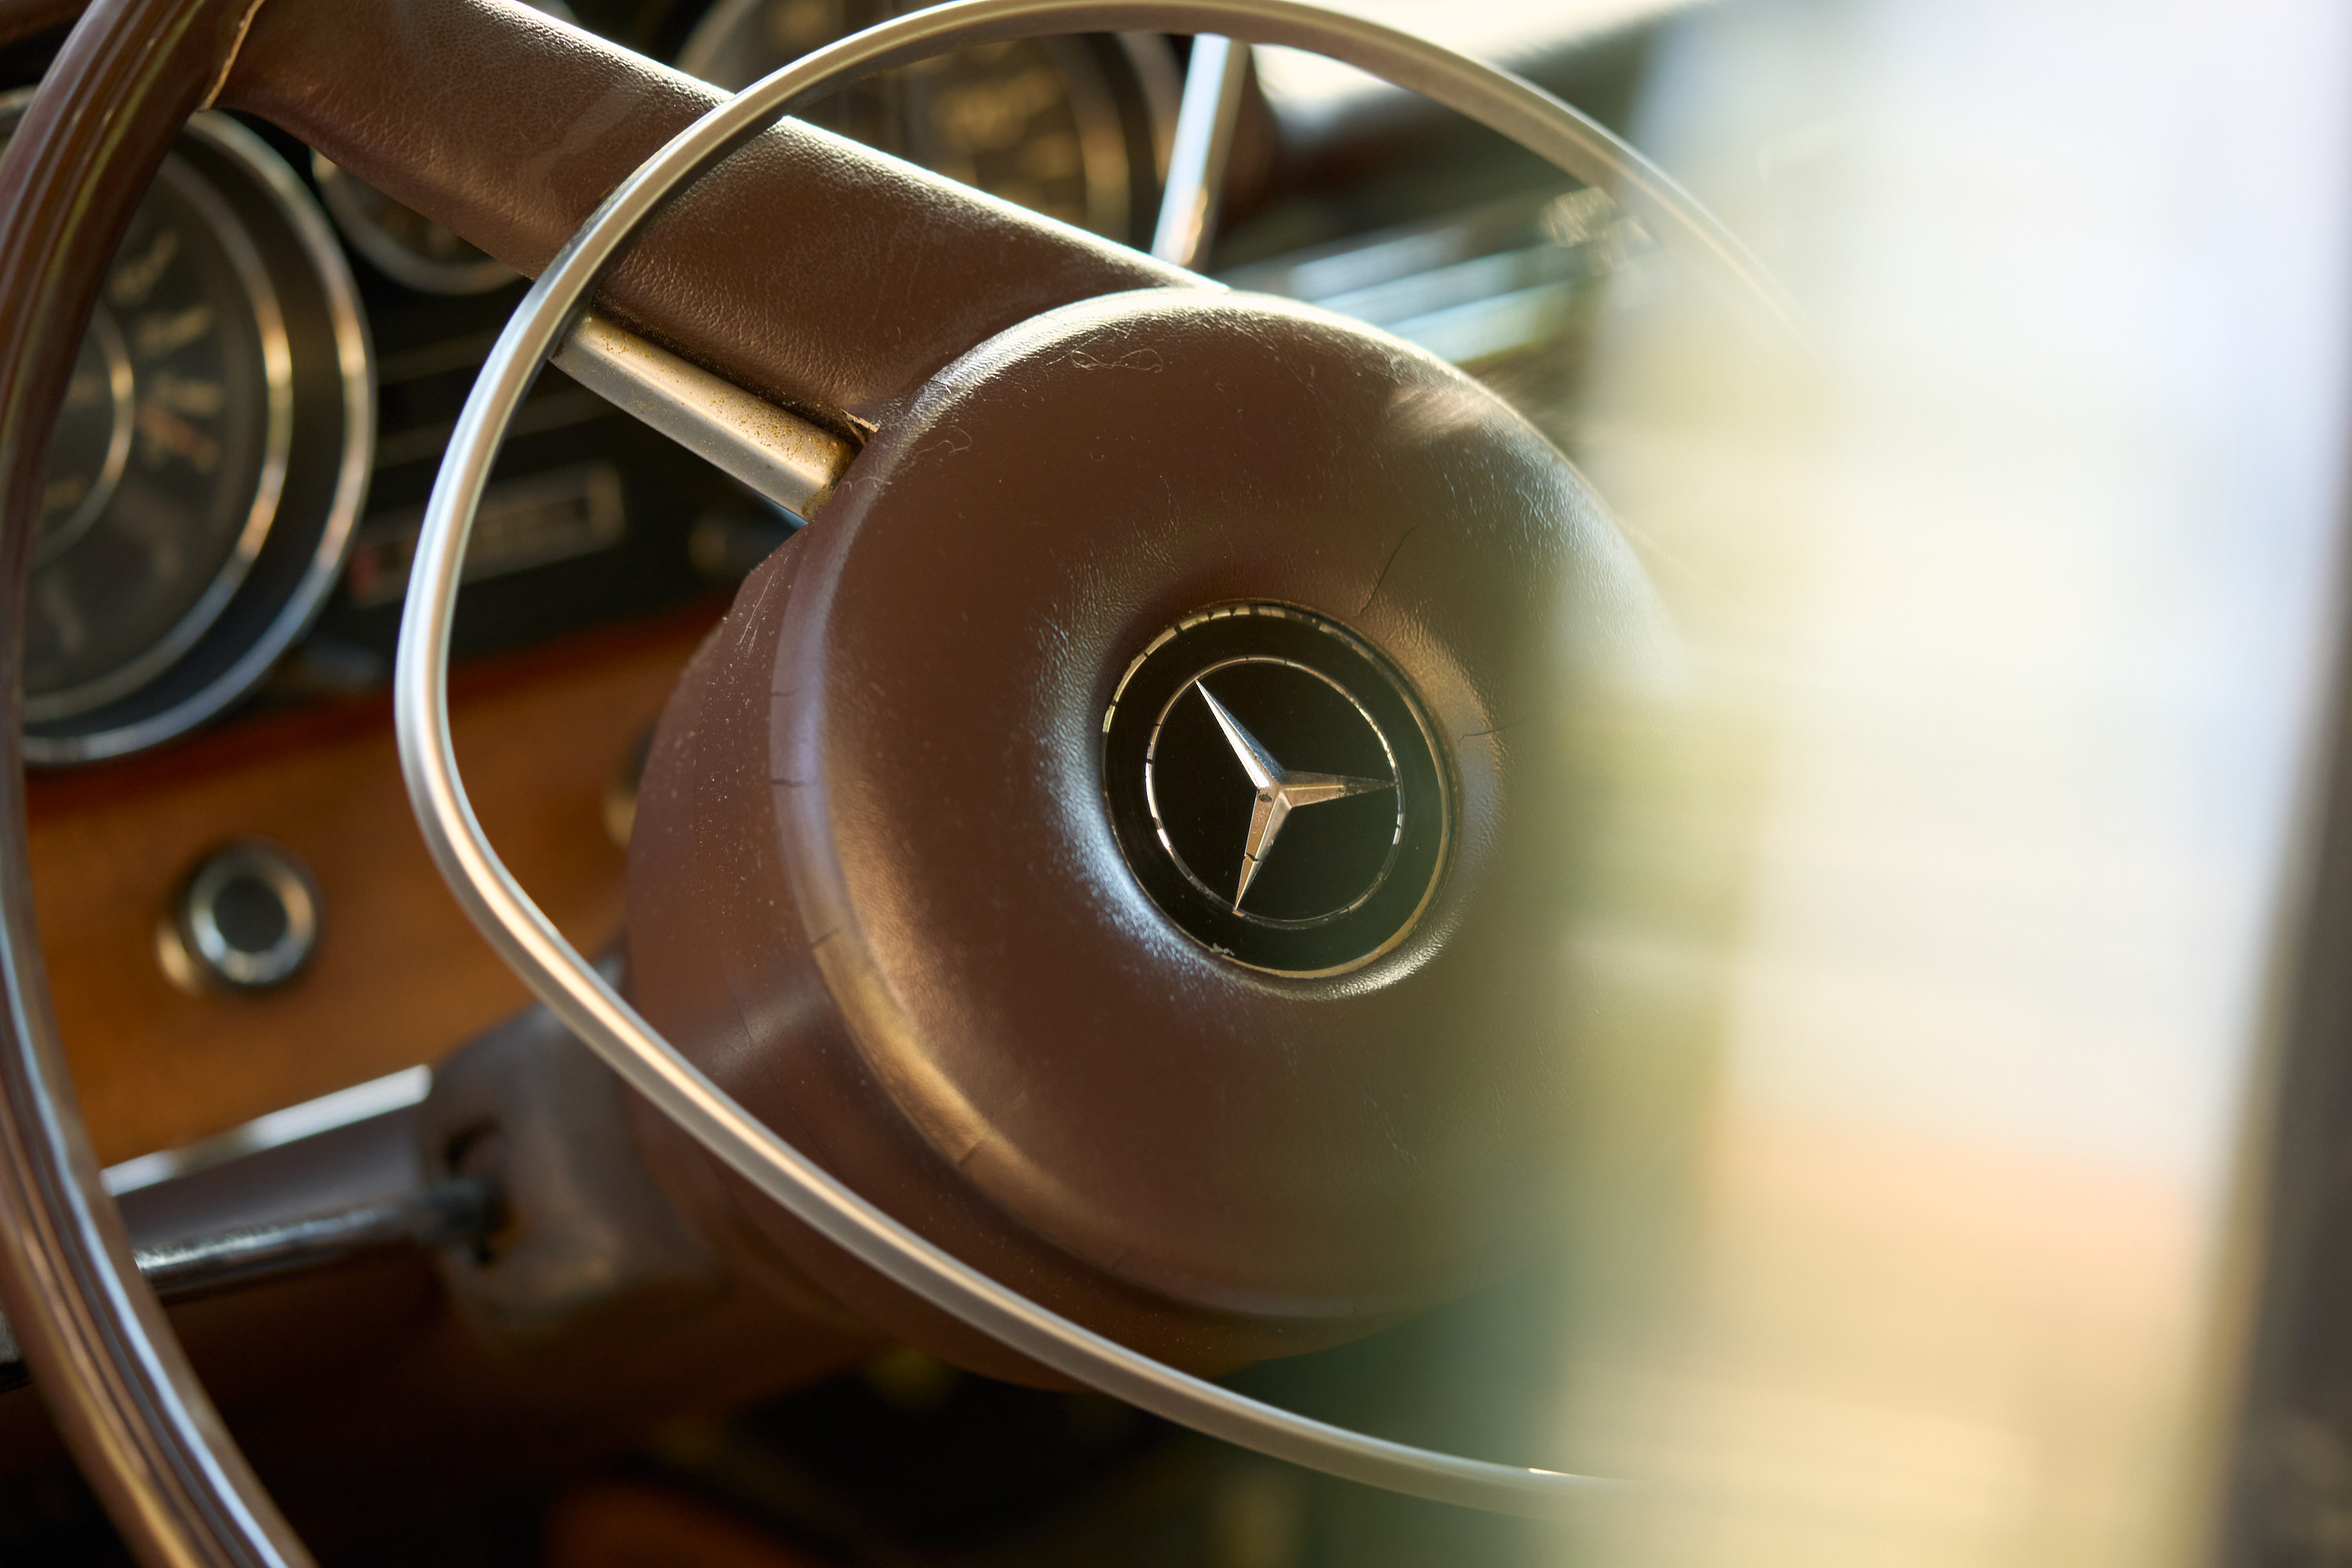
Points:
x=1909 y=1132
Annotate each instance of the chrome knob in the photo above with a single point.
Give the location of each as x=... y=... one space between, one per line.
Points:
x=246 y=918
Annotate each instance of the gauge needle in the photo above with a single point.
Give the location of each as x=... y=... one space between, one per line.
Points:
x=1280 y=792
x=174 y=434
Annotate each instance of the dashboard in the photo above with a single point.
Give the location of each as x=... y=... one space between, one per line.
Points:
x=241 y=472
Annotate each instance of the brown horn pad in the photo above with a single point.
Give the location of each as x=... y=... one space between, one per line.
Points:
x=878 y=892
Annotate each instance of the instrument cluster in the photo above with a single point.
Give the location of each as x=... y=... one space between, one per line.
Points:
x=242 y=459
x=209 y=462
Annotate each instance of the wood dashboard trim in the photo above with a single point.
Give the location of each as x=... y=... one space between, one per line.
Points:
x=399 y=977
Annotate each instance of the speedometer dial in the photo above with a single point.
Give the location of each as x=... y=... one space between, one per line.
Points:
x=209 y=459
x=170 y=454
x=1072 y=127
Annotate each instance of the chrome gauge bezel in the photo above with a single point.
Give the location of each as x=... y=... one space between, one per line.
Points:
x=321 y=436
x=346 y=199
x=260 y=293
x=1117 y=169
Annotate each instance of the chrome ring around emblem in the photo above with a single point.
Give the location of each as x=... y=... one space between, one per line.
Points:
x=1276 y=790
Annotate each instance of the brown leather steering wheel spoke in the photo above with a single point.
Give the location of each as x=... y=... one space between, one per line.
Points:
x=807 y=268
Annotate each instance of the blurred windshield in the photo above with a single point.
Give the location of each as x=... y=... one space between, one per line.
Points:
x=1502 y=31
x=2012 y=620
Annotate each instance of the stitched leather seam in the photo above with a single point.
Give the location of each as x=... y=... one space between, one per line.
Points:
x=228 y=60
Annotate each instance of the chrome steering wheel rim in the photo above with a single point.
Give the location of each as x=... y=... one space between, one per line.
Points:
x=597 y=1013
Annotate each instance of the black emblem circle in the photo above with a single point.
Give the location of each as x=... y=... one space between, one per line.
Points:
x=1266 y=726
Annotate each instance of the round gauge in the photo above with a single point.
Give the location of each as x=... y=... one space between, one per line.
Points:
x=1039 y=122
x=403 y=243
x=209 y=459
x=169 y=457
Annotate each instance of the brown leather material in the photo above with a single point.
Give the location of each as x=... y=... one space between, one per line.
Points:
x=719 y=962
x=875 y=891
x=807 y=268
x=71 y=178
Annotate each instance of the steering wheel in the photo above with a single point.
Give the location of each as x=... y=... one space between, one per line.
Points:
x=1131 y=839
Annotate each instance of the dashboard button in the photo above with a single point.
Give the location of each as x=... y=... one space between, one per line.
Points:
x=246 y=917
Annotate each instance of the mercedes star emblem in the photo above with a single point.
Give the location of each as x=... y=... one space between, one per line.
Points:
x=1280 y=791
x=1275 y=788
